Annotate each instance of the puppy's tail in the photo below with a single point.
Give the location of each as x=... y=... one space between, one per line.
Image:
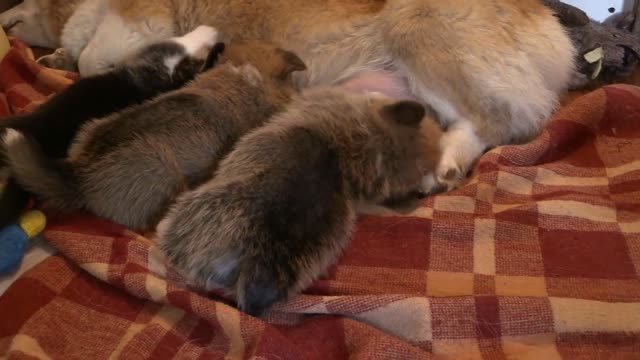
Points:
x=13 y=200
x=50 y=180
x=260 y=286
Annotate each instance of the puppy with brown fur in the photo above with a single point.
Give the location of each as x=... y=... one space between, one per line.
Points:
x=282 y=204
x=130 y=166
x=158 y=68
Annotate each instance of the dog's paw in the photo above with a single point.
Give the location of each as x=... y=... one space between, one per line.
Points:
x=60 y=60
x=202 y=38
x=450 y=173
x=460 y=147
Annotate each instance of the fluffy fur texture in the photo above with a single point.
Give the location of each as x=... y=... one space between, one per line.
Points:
x=282 y=205
x=129 y=167
x=157 y=68
x=492 y=69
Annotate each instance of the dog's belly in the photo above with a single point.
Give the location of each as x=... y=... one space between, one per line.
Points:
x=384 y=82
x=342 y=53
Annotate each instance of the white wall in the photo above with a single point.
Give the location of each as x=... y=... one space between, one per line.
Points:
x=599 y=9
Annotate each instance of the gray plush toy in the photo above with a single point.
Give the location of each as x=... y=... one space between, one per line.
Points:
x=605 y=50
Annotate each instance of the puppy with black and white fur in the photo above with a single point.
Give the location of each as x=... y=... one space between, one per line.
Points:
x=157 y=68
x=282 y=204
x=130 y=166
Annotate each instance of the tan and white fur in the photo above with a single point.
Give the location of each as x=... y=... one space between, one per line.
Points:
x=492 y=69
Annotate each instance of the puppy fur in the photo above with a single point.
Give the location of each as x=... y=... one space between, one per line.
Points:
x=130 y=166
x=282 y=205
x=492 y=69
x=157 y=68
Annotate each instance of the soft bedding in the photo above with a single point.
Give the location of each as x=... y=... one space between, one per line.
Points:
x=536 y=257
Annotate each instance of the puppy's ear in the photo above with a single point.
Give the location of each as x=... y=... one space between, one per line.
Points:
x=290 y=63
x=408 y=113
x=213 y=56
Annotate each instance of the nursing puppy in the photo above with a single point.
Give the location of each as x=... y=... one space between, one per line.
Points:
x=157 y=68
x=492 y=69
x=281 y=206
x=129 y=167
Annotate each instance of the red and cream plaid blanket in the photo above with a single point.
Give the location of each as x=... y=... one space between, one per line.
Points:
x=537 y=257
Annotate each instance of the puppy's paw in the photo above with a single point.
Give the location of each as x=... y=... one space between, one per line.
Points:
x=202 y=38
x=213 y=56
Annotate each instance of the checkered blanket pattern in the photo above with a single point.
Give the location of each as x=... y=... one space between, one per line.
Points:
x=536 y=257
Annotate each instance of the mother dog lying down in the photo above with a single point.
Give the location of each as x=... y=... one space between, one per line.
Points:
x=492 y=69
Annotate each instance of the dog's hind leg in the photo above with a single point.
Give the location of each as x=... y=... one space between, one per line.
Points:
x=116 y=38
x=437 y=78
x=491 y=87
x=82 y=26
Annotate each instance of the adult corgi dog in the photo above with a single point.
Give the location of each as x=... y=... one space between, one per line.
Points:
x=493 y=70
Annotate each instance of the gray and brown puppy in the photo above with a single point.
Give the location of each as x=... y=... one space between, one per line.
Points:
x=130 y=166
x=282 y=204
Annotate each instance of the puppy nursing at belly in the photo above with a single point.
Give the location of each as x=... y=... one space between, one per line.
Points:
x=128 y=167
x=156 y=68
x=281 y=206
x=488 y=88
x=492 y=87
